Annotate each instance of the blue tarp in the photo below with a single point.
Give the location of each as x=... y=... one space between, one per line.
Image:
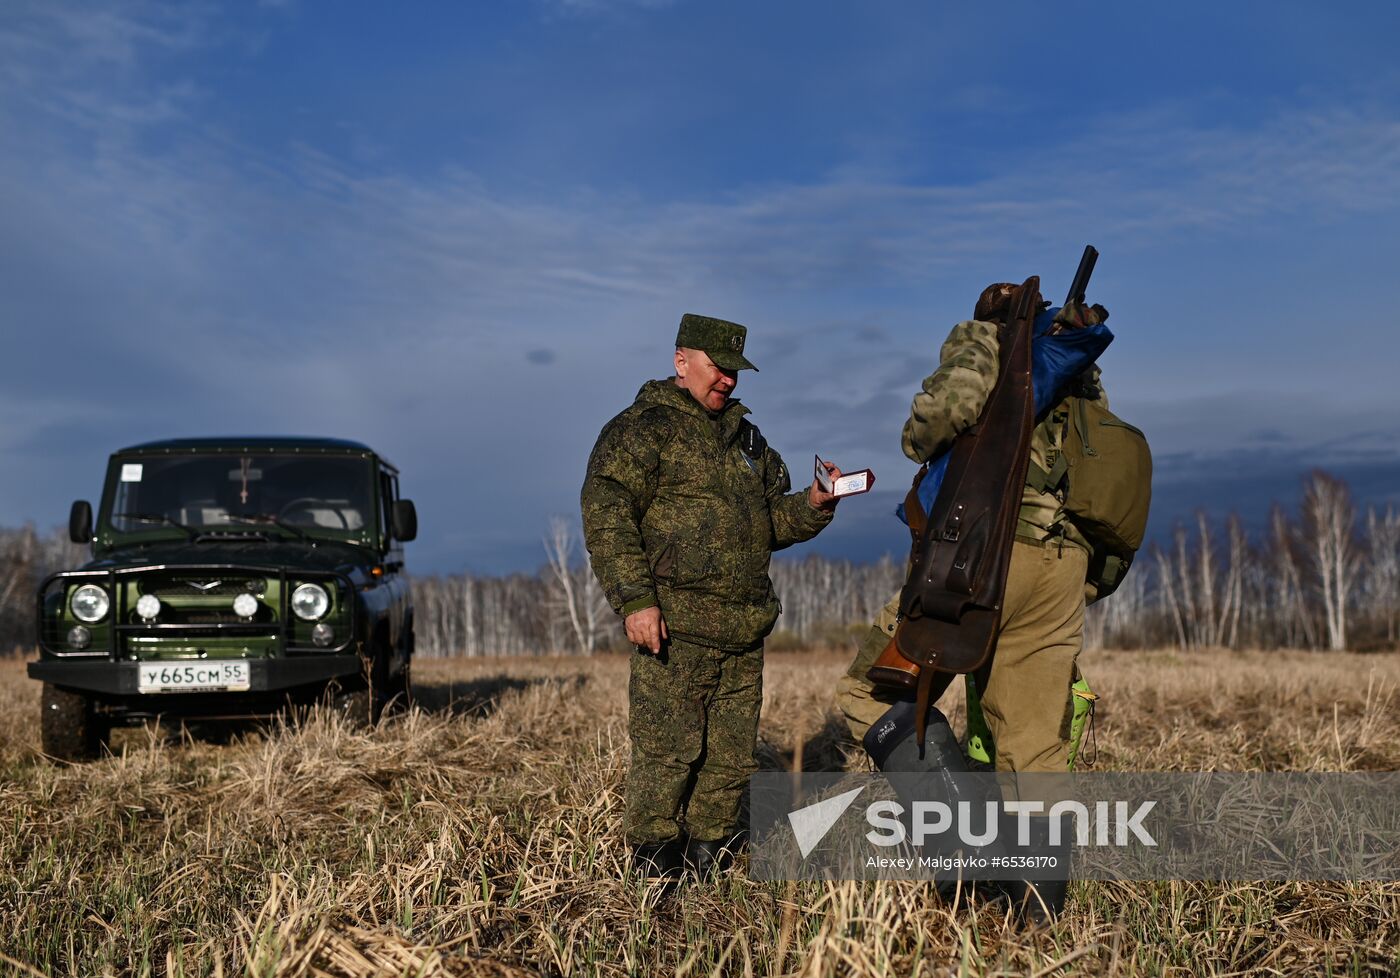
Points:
x=1055 y=362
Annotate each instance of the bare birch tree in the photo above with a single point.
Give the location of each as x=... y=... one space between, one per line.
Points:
x=1383 y=535
x=1328 y=521
x=26 y=558
x=1289 y=595
x=577 y=591
x=1124 y=618
x=819 y=594
x=1202 y=596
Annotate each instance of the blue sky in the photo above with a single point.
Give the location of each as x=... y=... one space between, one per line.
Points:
x=464 y=233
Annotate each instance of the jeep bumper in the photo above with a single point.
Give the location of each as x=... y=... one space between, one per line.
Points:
x=264 y=675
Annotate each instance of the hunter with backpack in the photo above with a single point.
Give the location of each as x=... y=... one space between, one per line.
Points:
x=1031 y=502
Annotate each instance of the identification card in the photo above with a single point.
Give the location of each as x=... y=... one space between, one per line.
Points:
x=848 y=484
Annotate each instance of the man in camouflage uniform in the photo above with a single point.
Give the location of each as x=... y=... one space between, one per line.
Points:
x=683 y=503
x=1027 y=703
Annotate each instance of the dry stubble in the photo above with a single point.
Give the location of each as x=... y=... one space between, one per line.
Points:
x=481 y=835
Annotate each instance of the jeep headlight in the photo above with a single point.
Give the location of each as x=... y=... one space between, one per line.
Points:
x=148 y=607
x=310 y=602
x=90 y=603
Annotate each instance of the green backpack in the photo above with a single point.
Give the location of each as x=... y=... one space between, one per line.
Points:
x=1107 y=467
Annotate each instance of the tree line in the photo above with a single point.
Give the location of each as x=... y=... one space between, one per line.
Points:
x=26 y=558
x=1325 y=577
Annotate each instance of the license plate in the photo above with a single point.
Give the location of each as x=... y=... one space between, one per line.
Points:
x=172 y=677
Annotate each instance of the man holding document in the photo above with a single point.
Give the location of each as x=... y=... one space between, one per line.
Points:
x=683 y=504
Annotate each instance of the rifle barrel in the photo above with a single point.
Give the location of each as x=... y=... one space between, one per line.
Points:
x=1080 y=285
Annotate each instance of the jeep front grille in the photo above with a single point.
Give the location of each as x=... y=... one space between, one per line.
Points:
x=192 y=615
x=180 y=588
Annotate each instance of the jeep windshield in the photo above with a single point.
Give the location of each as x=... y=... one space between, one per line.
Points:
x=217 y=496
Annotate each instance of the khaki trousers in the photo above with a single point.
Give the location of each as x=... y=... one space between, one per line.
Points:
x=1027 y=703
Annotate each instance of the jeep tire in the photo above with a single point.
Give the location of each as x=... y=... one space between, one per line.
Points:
x=363 y=706
x=401 y=689
x=69 y=727
x=357 y=706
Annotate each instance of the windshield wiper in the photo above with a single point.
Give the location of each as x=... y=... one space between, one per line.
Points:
x=268 y=519
x=160 y=518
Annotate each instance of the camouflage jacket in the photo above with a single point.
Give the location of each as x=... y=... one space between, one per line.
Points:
x=952 y=399
x=682 y=508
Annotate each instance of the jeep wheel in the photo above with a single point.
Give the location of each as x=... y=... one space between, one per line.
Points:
x=400 y=691
x=357 y=706
x=69 y=728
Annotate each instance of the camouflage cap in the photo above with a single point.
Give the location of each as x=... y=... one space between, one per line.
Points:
x=722 y=341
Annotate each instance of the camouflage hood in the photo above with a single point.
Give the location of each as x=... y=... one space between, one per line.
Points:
x=668 y=394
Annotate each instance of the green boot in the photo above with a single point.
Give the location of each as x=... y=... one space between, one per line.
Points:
x=981 y=750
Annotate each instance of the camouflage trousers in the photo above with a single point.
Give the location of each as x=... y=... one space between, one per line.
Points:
x=1027 y=704
x=693 y=722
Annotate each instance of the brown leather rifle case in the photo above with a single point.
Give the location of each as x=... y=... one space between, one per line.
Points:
x=951 y=603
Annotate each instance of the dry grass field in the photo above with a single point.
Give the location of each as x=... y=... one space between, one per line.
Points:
x=480 y=835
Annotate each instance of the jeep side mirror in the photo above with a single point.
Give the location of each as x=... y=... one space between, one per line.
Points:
x=405 y=519
x=80 y=522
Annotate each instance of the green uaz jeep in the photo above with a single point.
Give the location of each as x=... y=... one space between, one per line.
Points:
x=230 y=577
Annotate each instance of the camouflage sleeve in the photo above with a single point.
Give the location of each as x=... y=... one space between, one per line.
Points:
x=953 y=395
x=619 y=486
x=794 y=518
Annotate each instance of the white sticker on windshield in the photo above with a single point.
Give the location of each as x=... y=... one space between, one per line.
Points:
x=131 y=472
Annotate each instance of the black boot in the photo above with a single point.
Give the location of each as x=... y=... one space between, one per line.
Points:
x=1037 y=902
x=892 y=745
x=704 y=858
x=658 y=860
x=937 y=771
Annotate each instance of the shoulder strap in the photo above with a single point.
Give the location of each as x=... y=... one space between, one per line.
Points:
x=1042 y=481
x=1039 y=479
x=914 y=513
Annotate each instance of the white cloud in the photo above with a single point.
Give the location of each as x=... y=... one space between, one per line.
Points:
x=233 y=286
x=450 y=238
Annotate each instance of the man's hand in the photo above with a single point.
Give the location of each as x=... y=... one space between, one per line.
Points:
x=824 y=501
x=646 y=629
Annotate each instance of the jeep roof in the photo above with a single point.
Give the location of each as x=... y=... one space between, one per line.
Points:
x=240 y=443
